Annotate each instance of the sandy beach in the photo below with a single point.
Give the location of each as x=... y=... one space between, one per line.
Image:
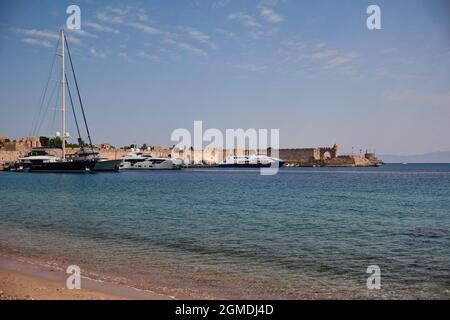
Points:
x=16 y=286
x=20 y=280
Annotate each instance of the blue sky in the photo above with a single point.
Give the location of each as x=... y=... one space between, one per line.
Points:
x=309 y=68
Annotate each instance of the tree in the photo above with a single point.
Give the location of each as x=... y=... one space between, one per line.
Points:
x=80 y=142
x=55 y=142
x=45 y=141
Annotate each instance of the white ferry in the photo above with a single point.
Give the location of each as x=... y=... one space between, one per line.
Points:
x=253 y=161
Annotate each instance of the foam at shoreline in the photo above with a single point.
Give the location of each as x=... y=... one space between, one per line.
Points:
x=50 y=275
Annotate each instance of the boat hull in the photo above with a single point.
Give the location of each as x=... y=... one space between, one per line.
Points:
x=149 y=165
x=249 y=165
x=153 y=168
x=60 y=167
x=107 y=166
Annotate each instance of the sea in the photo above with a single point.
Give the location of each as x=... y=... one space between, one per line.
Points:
x=305 y=233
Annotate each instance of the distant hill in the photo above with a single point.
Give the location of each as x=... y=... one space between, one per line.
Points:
x=432 y=157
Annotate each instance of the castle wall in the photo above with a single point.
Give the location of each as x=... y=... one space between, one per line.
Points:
x=111 y=154
x=9 y=156
x=349 y=161
x=308 y=155
x=299 y=155
x=21 y=145
x=215 y=156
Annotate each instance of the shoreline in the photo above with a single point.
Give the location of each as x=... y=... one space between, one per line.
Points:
x=25 y=280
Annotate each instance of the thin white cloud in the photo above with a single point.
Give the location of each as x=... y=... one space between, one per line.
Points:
x=144 y=27
x=123 y=55
x=37 y=42
x=136 y=18
x=97 y=54
x=297 y=51
x=43 y=36
x=149 y=56
x=228 y=34
x=246 y=19
x=81 y=33
x=119 y=11
x=332 y=58
x=129 y=11
x=129 y=16
x=199 y=36
x=185 y=46
x=270 y=15
x=324 y=54
x=191 y=49
x=39 y=33
x=339 y=60
x=71 y=39
x=107 y=18
x=220 y=3
x=101 y=28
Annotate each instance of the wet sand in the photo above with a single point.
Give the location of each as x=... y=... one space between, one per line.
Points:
x=25 y=281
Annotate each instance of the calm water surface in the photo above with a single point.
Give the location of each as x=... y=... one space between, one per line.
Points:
x=304 y=233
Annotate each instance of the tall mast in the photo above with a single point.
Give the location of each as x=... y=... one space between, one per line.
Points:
x=63 y=99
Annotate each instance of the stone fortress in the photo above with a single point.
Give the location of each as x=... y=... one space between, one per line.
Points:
x=309 y=155
x=327 y=156
x=301 y=157
x=11 y=150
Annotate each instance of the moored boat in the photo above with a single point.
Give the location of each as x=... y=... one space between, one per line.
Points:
x=41 y=161
x=253 y=161
x=143 y=161
x=102 y=164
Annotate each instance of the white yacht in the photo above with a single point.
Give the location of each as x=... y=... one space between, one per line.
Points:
x=143 y=161
x=35 y=157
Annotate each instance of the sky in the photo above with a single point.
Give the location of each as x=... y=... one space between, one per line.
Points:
x=311 y=69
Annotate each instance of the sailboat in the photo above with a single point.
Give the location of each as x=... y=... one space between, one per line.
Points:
x=83 y=161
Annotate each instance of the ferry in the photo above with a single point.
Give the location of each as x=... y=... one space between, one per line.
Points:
x=253 y=161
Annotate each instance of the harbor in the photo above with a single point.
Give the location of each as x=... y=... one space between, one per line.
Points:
x=12 y=150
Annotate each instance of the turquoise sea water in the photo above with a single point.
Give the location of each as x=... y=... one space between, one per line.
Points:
x=304 y=233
